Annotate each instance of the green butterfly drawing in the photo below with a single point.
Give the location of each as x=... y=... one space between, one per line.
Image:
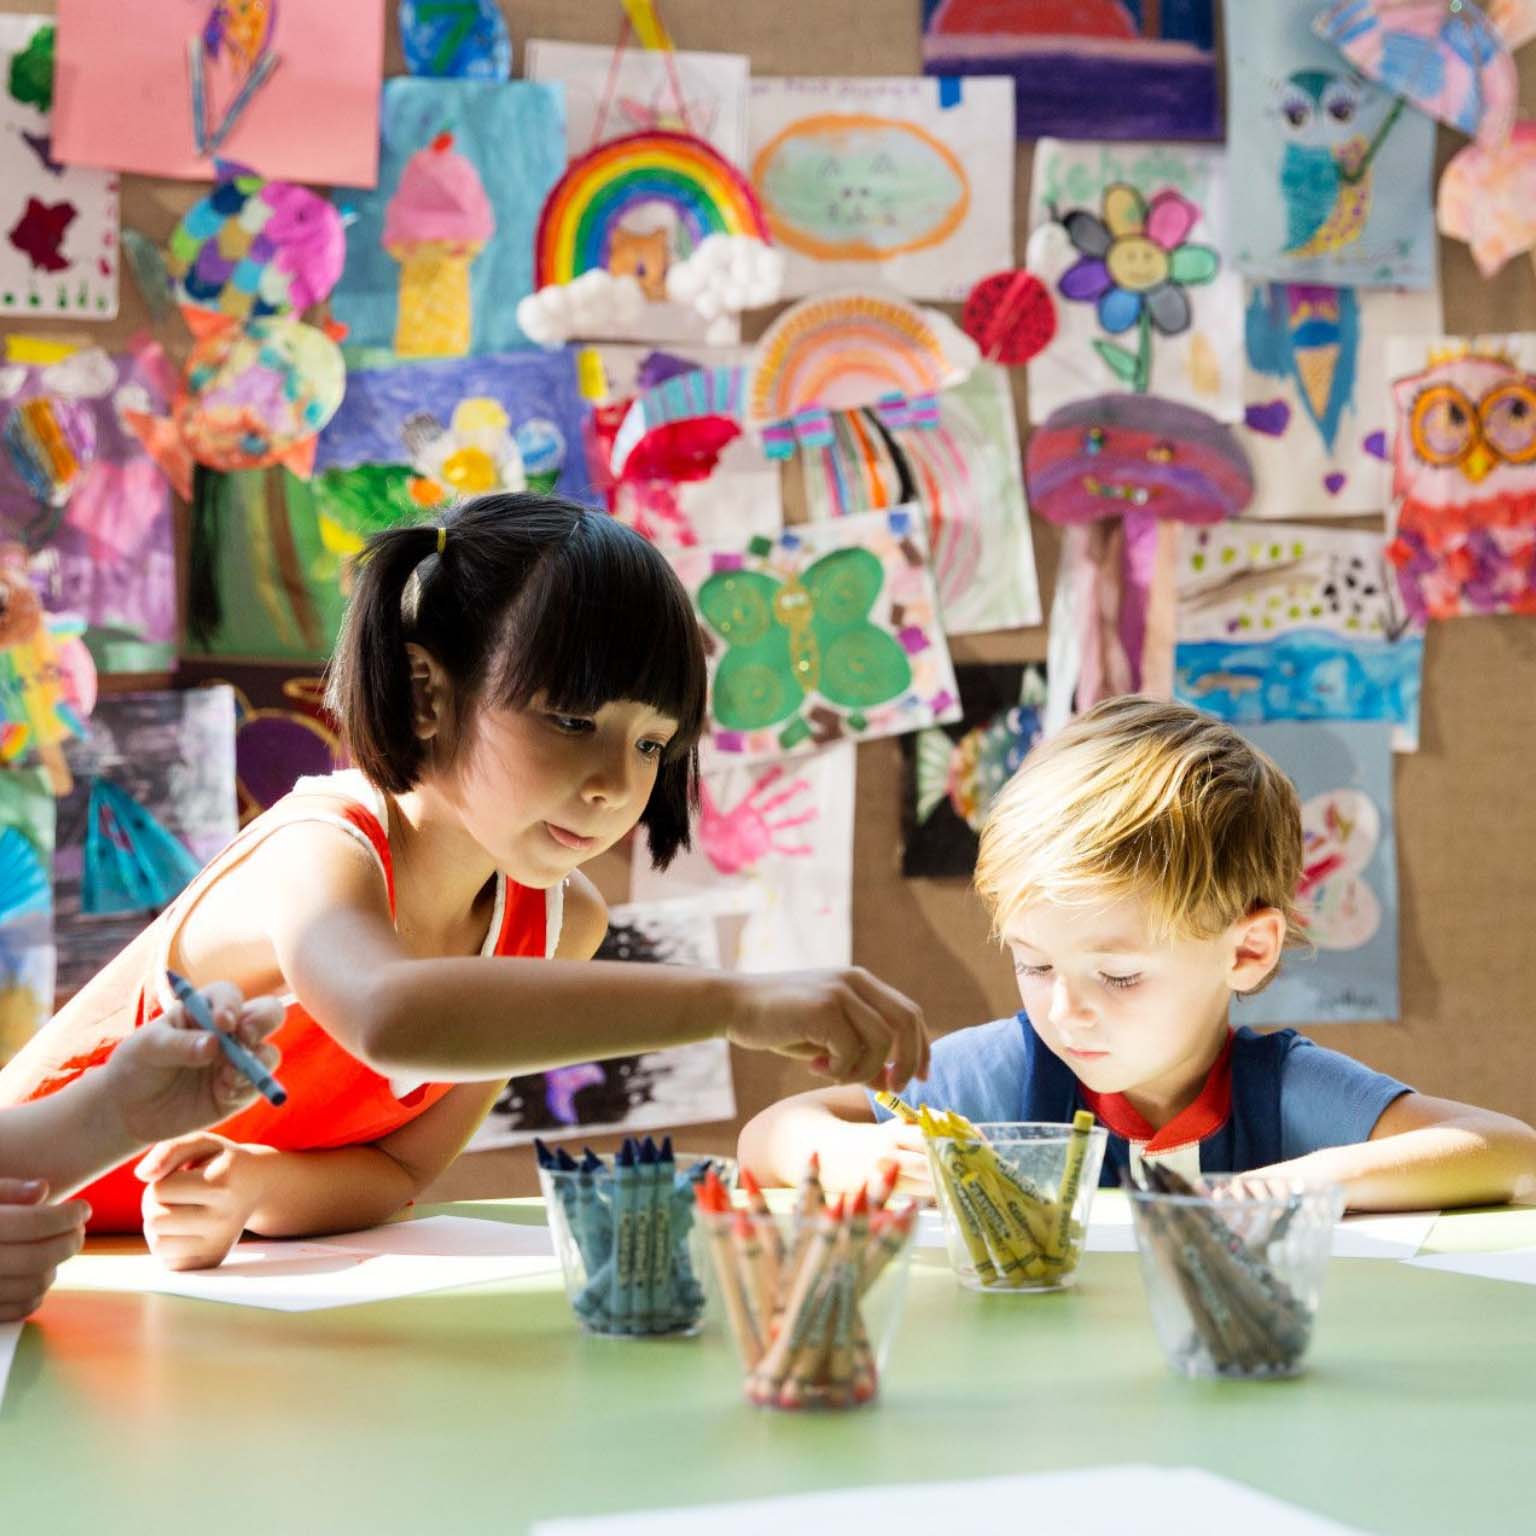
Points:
x=809 y=634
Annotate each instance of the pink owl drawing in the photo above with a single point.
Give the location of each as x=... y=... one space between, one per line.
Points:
x=1464 y=479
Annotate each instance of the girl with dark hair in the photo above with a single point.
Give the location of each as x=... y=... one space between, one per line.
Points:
x=519 y=685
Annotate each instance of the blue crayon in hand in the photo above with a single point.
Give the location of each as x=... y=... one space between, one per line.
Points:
x=246 y=1064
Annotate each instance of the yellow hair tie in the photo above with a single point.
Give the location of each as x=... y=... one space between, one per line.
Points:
x=442 y=540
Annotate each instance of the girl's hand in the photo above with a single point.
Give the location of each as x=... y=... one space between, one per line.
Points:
x=35 y=1238
x=170 y=1077
x=847 y=1026
x=201 y=1192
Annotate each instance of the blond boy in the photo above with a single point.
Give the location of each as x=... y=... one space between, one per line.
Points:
x=1141 y=870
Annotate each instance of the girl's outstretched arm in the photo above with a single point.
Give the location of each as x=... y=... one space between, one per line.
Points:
x=471 y=1019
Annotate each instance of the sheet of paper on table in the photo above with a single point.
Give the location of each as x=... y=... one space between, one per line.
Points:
x=1091 y=1501
x=10 y=1337
x=1518 y=1264
x=410 y=1258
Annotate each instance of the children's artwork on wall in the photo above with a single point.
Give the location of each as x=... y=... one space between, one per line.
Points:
x=1448 y=60
x=1088 y=69
x=1464 y=474
x=1348 y=892
x=1318 y=425
x=90 y=507
x=897 y=181
x=1487 y=198
x=773 y=846
x=1131 y=238
x=455 y=39
x=1330 y=173
x=655 y=237
x=1121 y=473
x=153 y=800
x=610 y=94
x=60 y=222
x=962 y=476
x=253 y=248
x=26 y=907
x=439 y=253
x=250 y=395
x=684 y=1085
x=828 y=632
x=283 y=731
x=950 y=777
x=669 y=499
x=1295 y=623
x=313 y=116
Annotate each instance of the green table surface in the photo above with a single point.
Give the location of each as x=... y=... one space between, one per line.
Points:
x=484 y=1409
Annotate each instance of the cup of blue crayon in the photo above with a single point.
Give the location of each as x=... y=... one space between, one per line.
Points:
x=632 y=1254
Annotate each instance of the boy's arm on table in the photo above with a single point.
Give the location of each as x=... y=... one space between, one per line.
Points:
x=840 y=1127
x=1427 y=1152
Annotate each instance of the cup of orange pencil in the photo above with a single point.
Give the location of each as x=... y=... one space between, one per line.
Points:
x=813 y=1296
x=1015 y=1197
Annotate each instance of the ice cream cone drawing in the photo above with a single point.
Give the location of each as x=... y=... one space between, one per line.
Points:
x=437 y=222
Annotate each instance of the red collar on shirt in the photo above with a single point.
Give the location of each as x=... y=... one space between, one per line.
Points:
x=1209 y=1112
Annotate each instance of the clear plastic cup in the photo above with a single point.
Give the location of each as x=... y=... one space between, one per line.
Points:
x=821 y=1336
x=1016 y=1205
x=1233 y=1276
x=631 y=1250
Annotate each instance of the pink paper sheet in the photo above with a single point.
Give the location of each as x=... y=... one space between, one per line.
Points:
x=122 y=98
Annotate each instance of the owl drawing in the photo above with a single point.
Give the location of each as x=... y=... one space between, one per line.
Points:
x=1464 y=479
x=1325 y=173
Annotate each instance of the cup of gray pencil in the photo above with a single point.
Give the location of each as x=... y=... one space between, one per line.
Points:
x=1233 y=1268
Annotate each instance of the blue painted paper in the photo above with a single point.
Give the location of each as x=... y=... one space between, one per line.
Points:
x=457 y=39
x=1330 y=174
x=514 y=136
x=1350 y=863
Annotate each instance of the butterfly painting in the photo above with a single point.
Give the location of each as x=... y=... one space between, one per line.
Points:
x=827 y=632
x=1347 y=895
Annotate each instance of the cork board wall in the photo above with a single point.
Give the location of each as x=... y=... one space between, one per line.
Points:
x=1466 y=811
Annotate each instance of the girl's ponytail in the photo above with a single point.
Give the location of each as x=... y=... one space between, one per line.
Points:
x=368 y=684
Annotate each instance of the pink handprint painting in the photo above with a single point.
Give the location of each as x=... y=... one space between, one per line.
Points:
x=772 y=819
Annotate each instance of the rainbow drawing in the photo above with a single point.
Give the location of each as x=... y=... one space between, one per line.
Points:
x=706 y=192
x=844 y=351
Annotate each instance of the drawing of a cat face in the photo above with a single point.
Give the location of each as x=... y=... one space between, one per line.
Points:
x=642 y=257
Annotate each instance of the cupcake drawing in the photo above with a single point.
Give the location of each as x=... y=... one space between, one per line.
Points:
x=435 y=225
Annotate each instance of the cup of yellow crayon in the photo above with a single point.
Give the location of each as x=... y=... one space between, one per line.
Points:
x=1233 y=1269
x=1015 y=1198
x=633 y=1256
x=812 y=1296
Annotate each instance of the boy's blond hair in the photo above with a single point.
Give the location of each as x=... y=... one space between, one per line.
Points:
x=1143 y=799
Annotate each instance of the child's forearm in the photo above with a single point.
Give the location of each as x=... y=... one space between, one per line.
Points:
x=776 y=1144
x=66 y=1138
x=564 y=1011
x=1483 y=1163
x=303 y=1194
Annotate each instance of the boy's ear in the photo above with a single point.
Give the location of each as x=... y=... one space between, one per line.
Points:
x=429 y=693
x=1258 y=941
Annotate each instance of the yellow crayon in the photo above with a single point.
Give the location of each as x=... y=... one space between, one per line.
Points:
x=897 y=1106
x=1071 y=1176
x=959 y=1204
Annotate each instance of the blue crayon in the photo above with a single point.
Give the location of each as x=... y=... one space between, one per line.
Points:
x=626 y=1173
x=646 y=1299
x=248 y=1066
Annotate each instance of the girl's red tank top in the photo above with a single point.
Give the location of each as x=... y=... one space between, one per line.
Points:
x=333 y=1099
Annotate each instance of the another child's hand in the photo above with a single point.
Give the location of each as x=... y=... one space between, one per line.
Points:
x=170 y=1077
x=35 y=1238
x=856 y=1155
x=845 y=1025
x=201 y=1191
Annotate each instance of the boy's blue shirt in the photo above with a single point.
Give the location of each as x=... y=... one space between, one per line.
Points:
x=1283 y=1097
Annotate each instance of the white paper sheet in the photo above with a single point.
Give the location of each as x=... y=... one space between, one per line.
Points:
x=1093 y=1501
x=1518 y=1264
x=1398 y=1236
x=406 y=1259
x=10 y=1337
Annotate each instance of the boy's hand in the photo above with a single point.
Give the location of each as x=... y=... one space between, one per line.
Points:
x=201 y=1191
x=857 y=1155
x=845 y=1025
x=171 y=1077
x=34 y=1240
